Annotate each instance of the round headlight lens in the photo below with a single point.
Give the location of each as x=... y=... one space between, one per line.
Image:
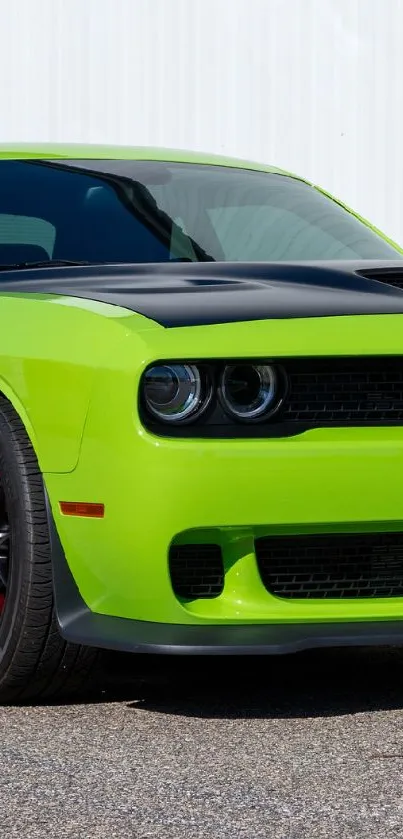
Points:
x=249 y=391
x=174 y=392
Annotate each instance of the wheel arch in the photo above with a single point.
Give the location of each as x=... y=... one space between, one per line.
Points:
x=7 y=392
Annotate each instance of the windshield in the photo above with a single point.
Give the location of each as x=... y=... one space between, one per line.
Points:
x=139 y=211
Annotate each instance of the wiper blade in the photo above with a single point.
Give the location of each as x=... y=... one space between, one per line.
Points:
x=60 y=263
x=45 y=263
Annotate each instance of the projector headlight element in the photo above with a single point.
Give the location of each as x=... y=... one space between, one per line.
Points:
x=249 y=391
x=175 y=392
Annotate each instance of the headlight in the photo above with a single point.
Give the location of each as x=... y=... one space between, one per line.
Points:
x=175 y=392
x=249 y=391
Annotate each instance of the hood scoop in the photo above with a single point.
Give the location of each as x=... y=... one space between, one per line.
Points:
x=392 y=276
x=206 y=293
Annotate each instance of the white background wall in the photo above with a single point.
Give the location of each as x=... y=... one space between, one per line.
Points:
x=314 y=86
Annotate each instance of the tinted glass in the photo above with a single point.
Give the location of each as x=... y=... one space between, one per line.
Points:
x=138 y=211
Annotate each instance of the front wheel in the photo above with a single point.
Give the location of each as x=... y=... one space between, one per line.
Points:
x=35 y=662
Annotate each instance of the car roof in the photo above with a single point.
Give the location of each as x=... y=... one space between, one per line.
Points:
x=71 y=151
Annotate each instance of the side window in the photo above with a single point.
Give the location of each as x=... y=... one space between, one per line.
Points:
x=18 y=230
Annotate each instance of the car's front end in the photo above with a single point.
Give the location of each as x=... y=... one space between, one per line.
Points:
x=201 y=414
x=267 y=533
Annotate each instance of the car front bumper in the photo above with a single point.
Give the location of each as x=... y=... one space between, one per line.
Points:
x=79 y=625
x=158 y=490
x=324 y=481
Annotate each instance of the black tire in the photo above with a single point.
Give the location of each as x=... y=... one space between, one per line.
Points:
x=35 y=662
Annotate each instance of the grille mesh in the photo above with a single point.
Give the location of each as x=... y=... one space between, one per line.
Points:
x=337 y=390
x=196 y=571
x=335 y=566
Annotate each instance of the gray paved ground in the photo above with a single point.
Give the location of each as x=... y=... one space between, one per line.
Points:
x=307 y=747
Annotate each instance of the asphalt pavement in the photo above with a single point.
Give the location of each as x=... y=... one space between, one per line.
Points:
x=291 y=748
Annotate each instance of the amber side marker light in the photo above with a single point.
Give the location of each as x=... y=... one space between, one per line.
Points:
x=79 y=508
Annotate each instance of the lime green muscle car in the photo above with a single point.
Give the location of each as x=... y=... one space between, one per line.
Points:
x=201 y=414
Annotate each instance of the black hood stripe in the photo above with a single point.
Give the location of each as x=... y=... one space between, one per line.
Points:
x=196 y=294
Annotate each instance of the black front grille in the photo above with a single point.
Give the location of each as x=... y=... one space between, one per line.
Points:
x=196 y=571
x=336 y=566
x=344 y=391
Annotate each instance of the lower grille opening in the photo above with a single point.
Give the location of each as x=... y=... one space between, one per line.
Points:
x=332 y=566
x=196 y=571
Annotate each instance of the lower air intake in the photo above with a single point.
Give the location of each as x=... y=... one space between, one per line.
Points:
x=197 y=571
x=335 y=566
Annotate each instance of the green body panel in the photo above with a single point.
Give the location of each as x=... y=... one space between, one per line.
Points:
x=71 y=368
x=50 y=353
x=55 y=151
x=156 y=489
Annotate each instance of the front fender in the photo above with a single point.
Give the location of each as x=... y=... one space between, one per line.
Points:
x=51 y=351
